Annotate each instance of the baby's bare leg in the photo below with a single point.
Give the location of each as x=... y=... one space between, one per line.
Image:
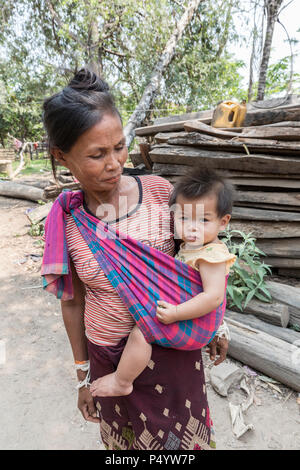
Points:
x=134 y=359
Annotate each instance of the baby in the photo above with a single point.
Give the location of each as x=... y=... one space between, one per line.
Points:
x=202 y=205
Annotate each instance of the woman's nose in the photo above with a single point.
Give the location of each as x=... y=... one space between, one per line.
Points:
x=112 y=161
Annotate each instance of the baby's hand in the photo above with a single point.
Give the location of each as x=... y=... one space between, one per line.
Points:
x=165 y=312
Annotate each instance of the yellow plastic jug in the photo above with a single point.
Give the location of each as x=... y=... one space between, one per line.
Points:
x=229 y=114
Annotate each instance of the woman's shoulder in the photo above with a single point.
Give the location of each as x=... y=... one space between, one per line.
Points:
x=156 y=185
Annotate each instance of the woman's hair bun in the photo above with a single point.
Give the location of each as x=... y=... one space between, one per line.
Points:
x=87 y=80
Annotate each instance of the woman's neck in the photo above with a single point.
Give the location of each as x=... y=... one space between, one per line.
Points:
x=111 y=204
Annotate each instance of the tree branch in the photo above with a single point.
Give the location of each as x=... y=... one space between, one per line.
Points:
x=62 y=25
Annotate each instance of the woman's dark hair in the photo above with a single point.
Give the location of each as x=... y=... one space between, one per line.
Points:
x=75 y=109
x=199 y=182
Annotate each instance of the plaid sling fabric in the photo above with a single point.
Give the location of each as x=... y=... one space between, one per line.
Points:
x=140 y=274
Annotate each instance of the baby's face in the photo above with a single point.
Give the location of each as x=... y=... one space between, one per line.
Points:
x=197 y=222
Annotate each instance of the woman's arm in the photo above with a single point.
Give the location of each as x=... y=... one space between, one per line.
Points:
x=213 y=280
x=73 y=317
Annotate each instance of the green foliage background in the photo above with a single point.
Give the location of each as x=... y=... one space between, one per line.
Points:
x=39 y=52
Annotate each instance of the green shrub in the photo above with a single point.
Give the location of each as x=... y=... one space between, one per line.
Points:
x=247 y=277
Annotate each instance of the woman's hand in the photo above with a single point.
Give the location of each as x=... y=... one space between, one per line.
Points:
x=218 y=347
x=86 y=405
x=165 y=312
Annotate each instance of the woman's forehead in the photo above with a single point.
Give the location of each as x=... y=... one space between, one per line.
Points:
x=106 y=133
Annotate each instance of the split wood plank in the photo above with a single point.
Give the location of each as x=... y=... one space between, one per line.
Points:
x=168 y=127
x=174 y=170
x=276 y=198
x=264 y=230
x=195 y=139
x=283 y=248
x=192 y=156
x=248 y=213
x=184 y=117
x=277 y=262
x=276 y=207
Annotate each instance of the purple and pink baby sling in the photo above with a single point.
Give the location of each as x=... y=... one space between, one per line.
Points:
x=141 y=275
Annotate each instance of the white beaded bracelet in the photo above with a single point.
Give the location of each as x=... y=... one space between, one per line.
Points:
x=85 y=368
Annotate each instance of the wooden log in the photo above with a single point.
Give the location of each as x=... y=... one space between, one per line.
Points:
x=20 y=191
x=286 y=334
x=184 y=155
x=51 y=192
x=248 y=213
x=262 y=229
x=288 y=295
x=39 y=213
x=273 y=312
x=271 y=356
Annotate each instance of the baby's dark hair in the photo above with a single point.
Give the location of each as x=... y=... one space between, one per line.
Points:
x=199 y=182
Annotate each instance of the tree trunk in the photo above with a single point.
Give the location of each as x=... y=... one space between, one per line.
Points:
x=252 y=58
x=272 y=9
x=151 y=89
x=94 y=60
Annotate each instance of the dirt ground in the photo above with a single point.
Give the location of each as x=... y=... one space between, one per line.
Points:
x=38 y=398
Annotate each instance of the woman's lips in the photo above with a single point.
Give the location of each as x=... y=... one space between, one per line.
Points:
x=112 y=180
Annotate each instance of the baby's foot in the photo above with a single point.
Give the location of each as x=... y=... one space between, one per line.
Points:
x=110 y=386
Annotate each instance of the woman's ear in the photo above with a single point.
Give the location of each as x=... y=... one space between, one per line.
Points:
x=224 y=221
x=59 y=156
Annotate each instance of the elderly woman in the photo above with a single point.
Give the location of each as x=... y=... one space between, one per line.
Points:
x=168 y=407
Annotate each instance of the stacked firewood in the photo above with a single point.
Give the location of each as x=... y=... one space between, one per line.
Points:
x=262 y=160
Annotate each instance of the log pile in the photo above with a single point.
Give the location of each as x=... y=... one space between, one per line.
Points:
x=262 y=160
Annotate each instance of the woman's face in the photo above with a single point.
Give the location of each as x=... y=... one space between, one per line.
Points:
x=98 y=156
